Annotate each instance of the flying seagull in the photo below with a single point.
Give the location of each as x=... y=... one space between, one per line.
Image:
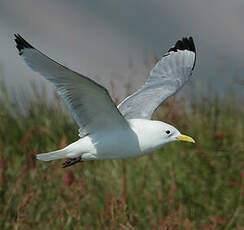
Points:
x=107 y=131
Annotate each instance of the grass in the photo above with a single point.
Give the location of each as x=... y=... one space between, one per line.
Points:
x=182 y=186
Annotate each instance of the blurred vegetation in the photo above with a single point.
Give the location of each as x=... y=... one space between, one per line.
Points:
x=182 y=186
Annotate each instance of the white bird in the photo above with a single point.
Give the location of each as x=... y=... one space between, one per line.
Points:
x=107 y=131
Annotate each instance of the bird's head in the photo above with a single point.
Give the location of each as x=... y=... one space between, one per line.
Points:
x=169 y=133
x=155 y=134
x=152 y=135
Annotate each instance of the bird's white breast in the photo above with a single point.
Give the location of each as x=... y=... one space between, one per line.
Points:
x=114 y=144
x=138 y=140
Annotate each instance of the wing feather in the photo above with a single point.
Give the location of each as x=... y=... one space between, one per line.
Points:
x=90 y=103
x=165 y=79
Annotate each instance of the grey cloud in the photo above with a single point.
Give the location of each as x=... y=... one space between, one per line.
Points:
x=99 y=37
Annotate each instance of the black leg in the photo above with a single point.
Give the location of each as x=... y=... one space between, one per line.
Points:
x=71 y=161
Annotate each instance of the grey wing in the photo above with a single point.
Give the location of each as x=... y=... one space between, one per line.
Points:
x=166 y=78
x=90 y=103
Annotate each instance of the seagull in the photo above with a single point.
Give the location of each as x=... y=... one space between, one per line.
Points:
x=107 y=131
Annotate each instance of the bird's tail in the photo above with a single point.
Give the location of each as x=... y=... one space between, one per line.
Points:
x=59 y=154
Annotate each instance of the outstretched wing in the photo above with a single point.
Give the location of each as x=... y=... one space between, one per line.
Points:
x=90 y=103
x=166 y=78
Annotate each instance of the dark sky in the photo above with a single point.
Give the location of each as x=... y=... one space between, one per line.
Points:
x=109 y=39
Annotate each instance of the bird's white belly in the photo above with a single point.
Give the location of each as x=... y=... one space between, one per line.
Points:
x=114 y=145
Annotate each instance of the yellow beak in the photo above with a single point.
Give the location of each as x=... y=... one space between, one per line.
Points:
x=185 y=138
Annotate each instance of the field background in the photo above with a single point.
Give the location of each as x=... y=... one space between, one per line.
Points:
x=183 y=186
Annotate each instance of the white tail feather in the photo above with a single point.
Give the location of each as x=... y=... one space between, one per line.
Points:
x=59 y=154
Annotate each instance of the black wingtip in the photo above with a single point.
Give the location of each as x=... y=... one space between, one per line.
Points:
x=21 y=43
x=184 y=44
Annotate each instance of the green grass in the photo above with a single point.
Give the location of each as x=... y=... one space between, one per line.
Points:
x=182 y=186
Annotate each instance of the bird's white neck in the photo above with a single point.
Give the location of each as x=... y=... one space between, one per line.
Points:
x=148 y=137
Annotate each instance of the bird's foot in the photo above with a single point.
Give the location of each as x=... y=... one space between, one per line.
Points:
x=71 y=161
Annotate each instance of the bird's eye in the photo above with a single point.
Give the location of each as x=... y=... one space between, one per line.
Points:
x=167 y=131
